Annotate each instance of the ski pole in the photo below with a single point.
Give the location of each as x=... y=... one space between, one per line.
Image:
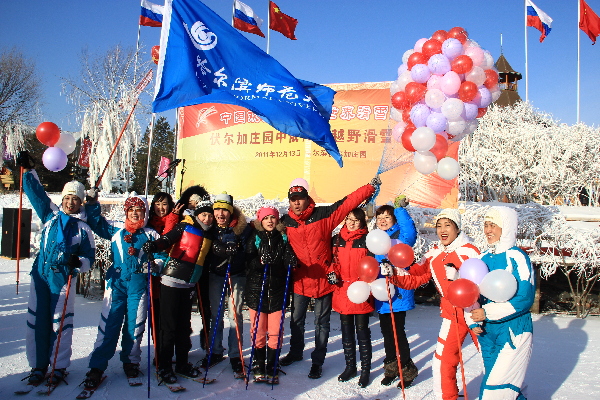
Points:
x=280 y=333
x=149 y=317
x=256 y=319
x=19 y=224
x=237 y=327
x=398 y=358
x=216 y=324
x=60 y=329
x=202 y=316
x=153 y=333
x=460 y=358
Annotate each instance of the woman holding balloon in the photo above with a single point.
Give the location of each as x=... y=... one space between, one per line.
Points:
x=351 y=272
x=508 y=291
x=441 y=264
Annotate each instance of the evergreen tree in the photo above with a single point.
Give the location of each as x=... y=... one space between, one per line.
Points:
x=162 y=146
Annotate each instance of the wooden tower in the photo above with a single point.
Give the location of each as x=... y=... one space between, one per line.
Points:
x=508 y=83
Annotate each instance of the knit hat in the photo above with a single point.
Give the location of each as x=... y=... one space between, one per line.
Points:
x=224 y=201
x=75 y=188
x=265 y=211
x=452 y=214
x=203 y=206
x=195 y=198
x=134 y=202
x=495 y=216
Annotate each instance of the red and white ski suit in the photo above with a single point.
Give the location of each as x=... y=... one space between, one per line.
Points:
x=454 y=327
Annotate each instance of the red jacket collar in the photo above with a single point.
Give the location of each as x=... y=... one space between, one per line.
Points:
x=306 y=213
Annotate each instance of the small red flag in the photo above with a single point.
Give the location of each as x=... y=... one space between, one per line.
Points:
x=281 y=22
x=589 y=22
x=84 y=154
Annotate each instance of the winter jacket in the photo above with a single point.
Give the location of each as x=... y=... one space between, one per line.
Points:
x=163 y=225
x=235 y=235
x=432 y=266
x=125 y=262
x=189 y=244
x=62 y=236
x=310 y=236
x=270 y=249
x=403 y=231
x=349 y=247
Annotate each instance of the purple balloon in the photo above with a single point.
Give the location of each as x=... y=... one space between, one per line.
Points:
x=483 y=98
x=439 y=64
x=54 y=159
x=470 y=111
x=474 y=270
x=419 y=114
x=420 y=73
x=402 y=68
x=452 y=48
x=437 y=122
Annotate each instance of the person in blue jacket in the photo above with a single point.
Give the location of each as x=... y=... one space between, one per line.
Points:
x=67 y=248
x=398 y=224
x=506 y=340
x=125 y=296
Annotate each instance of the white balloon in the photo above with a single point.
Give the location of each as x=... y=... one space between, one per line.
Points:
x=452 y=109
x=425 y=162
x=455 y=127
x=498 y=285
x=488 y=60
x=448 y=168
x=358 y=292
x=379 y=290
x=394 y=88
x=407 y=54
x=434 y=98
x=423 y=138
x=476 y=75
x=396 y=115
x=471 y=126
x=378 y=242
x=66 y=142
x=403 y=79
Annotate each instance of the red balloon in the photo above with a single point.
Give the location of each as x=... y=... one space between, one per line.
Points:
x=462 y=64
x=462 y=293
x=440 y=148
x=400 y=101
x=481 y=112
x=467 y=91
x=406 y=115
x=415 y=91
x=431 y=47
x=491 y=78
x=416 y=58
x=406 y=135
x=401 y=255
x=48 y=133
x=440 y=35
x=368 y=269
x=458 y=33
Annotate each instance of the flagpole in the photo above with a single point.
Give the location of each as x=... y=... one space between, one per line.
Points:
x=149 y=153
x=526 y=64
x=269 y=27
x=232 y=11
x=578 y=60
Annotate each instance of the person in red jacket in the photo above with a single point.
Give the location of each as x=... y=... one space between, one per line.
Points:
x=309 y=230
x=441 y=263
x=349 y=247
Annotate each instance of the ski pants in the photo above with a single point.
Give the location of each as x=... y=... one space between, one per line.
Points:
x=389 y=344
x=175 y=325
x=44 y=312
x=506 y=350
x=446 y=359
x=268 y=323
x=124 y=311
x=215 y=290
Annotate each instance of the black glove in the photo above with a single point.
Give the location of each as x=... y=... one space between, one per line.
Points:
x=375 y=182
x=332 y=278
x=91 y=195
x=290 y=259
x=74 y=265
x=149 y=248
x=24 y=160
x=230 y=249
x=268 y=257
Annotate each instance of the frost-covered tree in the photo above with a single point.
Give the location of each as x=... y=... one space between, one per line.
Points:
x=519 y=155
x=102 y=98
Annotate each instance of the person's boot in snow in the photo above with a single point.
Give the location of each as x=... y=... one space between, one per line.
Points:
x=390 y=372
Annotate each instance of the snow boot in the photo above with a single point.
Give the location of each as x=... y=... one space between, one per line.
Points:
x=167 y=376
x=187 y=370
x=214 y=360
x=349 y=346
x=390 y=372
x=258 y=364
x=316 y=371
x=409 y=373
x=365 y=350
x=272 y=374
x=289 y=359
x=58 y=376
x=93 y=378
x=132 y=370
x=36 y=376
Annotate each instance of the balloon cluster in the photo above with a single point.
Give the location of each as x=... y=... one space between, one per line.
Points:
x=444 y=84
x=498 y=285
x=59 y=145
x=379 y=243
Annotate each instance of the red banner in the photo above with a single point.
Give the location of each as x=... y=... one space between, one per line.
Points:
x=84 y=154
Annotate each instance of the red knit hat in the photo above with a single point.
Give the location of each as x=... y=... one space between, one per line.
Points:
x=134 y=201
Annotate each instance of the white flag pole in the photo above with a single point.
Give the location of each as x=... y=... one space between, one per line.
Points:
x=578 y=60
x=526 y=64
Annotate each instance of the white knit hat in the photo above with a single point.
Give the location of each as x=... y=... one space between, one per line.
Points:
x=75 y=188
x=452 y=214
x=495 y=216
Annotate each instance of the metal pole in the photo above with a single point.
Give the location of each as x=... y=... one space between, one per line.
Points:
x=149 y=153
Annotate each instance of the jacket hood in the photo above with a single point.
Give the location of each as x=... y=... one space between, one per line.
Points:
x=238 y=221
x=508 y=238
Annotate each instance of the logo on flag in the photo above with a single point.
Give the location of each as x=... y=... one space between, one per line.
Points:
x=213 y=63
x=538 y=19
x=151 y=14
x=245 y=20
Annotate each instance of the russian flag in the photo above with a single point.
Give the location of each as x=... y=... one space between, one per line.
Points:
x=538 y=19
x=245 y=20
x=151 y=14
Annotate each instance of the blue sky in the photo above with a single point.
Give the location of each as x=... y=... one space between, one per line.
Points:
x=339 y=41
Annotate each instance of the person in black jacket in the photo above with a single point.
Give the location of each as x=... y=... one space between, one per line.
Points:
x=268 y=252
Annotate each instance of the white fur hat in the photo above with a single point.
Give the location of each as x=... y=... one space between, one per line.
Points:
x=75 y=188
x=452 y=214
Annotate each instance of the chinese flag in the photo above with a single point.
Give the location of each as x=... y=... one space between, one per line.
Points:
x=589 y=22
x=281 y=22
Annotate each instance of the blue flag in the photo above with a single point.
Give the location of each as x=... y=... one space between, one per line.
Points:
x=203 y=59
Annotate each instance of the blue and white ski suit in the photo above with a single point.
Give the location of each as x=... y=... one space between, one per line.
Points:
x=507 y=338
x=125 y=296
x=62 y=235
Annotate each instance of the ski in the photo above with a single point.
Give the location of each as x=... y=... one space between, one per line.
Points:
x=239 y=375
x=88 y=392
x=30 y=387
x=137 y=381
x=49 y=388
x=199 y=379
x=173 y=388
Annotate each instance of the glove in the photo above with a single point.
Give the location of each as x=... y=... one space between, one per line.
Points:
x=74 y=265
x=451 y=272
x=268 y=257
x=290 y=259
x=387 y=269
x=149 y=248
x=332 y=278
x=24 y=160
x=401 y=201
x=230 y=249
x=154 y=268
x=92 y=195
x=375 y=182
